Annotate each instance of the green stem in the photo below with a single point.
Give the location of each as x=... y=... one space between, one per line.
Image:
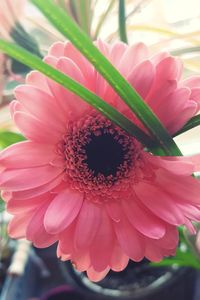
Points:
x=122 y=22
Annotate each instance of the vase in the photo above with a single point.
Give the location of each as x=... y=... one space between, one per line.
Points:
x=139 y=281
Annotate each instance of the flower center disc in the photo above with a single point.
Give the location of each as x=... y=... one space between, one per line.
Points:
x=104 y=154
x=98 y=154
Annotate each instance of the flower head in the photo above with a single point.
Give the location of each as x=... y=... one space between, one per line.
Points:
x=82 y=181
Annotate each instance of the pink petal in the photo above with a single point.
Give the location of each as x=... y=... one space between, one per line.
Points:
x=175 y=102
x=81 y=261
x=72 y=53
x=68 y=101
x=119 y=260
x=88 y=222
x=51 y=60
x=130 y=240
x=24 y=179
x=116 y=52
x=158 y=57
x=141 y=78
x=27 y=154
x=114 y=210
x=103 y=47
x=24 y=194
x=66 y=240
x=17 y=226
x=22 y=206
x=36 y=130
x=177 y=166
x=97 y=276
x=169 y=240
x=190 y=211
x=102 y=245
x=42 y=106
x=195 y=94
x=38 y=80
x=63 y=210
x=191 y=82
x=170 y=68
x=143 y=220
x=186 y=115
x=183 y=189
x=168 y=72
x=132 y=56
x=36 y=231
x=57 y=49
x=160 y=203
x=153 y=252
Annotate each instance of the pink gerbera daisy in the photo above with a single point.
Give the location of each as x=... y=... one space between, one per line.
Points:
x=82 y=181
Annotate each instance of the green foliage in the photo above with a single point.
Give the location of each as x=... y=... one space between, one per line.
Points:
x=122 y=22
x=8 y=138
x=192 y=123
x=2 y=205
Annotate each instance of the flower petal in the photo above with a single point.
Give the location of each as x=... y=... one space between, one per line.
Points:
x=119 y=260
x=38 y=80
x=88 y=222
x=130 y=240
x=41 y=105
x=97 y=276
x=63 y=210
x=25 y=179
x=36 y=130
x=141 y=78
x=102 y=245
x=132 y=56
x=160 y=203
x=27 y=154
x=36 y=232
x=17 y=226
x=143 y=220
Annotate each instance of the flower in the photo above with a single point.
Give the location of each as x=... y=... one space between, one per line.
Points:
x=82 y=181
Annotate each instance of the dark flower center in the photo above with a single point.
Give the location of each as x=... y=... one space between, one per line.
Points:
x=104 y=154
x=98 y=154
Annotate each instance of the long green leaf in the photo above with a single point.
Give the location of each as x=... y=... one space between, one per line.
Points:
x=34 y=62
x=81 y=41
x=122 y=22
x=192 y=123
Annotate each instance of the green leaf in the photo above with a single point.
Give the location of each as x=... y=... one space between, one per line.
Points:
x=71 y=30
x=34 y=62
x=8 y=138
x=192 y=123
x=122 y=22
x=2 y=205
